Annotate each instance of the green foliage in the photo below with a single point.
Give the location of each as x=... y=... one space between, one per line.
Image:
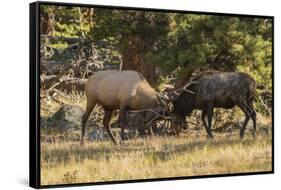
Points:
x=174 y=41
x=69 y=21
x=130 y=29
x=218 y=42
x=59 y=45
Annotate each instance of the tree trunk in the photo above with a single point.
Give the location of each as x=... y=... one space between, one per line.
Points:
x=148 y=70
x=47 y=23
x=185 y=76
x=133 y=60
x=90 y=14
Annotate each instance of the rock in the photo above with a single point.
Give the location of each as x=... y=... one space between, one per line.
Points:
x=67 y=118
x=98 y=134
x=67 y=122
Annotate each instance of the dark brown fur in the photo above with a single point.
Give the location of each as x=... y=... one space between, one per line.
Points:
x=217 y=90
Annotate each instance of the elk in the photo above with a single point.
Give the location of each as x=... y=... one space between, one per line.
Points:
x=123 y=90
x=210 y=90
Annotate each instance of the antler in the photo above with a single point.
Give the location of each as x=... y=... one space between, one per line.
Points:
x=162 y=98
x=190 y=83
x=187 y=85
x=184 y=88
x=156 y=116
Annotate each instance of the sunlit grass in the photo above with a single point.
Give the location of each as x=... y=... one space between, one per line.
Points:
x=189 y=155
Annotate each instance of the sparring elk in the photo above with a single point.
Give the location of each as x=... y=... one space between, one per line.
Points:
x=123 y=90
x=210 y=90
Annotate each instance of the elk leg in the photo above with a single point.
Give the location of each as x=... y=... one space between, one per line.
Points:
x=89 y=109
x=253 y=116
x=149 y=127
x=106 y=121
x=203 y=117
x=150 y=131
x=122 y=120
x=247 y=117
x=210 y=111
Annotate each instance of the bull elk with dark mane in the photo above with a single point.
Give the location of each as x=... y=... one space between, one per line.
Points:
x=210 y=90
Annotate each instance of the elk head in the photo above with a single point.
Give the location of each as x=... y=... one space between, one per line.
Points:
x=173 y=94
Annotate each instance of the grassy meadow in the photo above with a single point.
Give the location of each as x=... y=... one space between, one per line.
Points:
x=169 y=50
x=191 y=154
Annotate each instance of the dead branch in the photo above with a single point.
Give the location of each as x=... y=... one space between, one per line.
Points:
x=62 y=83
x=265 y=106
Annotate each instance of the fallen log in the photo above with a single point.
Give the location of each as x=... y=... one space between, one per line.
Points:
x=68 y=84
x=72 y=84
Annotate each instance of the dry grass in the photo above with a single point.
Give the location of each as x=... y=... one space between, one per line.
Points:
x=189 y=155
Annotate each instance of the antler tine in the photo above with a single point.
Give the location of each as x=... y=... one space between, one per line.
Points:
x=162 y=97
x=189 y=91
x=188 y=84
x=184 y=88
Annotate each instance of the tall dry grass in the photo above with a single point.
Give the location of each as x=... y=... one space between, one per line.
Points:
x=189 y=155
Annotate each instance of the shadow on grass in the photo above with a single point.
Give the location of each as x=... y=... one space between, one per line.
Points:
x=64 y=154
x=164 y=155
